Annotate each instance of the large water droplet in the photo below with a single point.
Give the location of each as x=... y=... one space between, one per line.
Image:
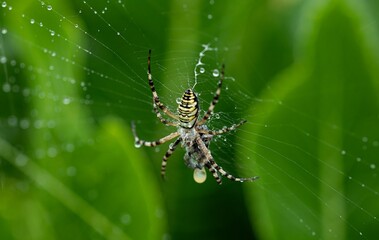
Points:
x=202 y=70
x=32 y=21
x=4 y=4
x=49 y=7
x=199 y=175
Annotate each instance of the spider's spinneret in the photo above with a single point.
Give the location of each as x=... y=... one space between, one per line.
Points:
x=188 y=109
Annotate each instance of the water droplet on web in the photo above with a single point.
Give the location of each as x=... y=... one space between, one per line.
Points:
x=32 y=21
x=178 y=100
x=137 y=144
x=52 y=33
x=6 y=87
x=41 y=24
x=24 y=124
x=202 y=70
x=66 y=101
x=215 y=73
x=3 y=59
x=49 y=7
x=12 y=121
x=125 y=219
x=4 y=31
x=21 y=160
x=4 y=4
x=52 y=152
x=71 y=171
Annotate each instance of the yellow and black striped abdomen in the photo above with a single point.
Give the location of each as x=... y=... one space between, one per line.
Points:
x=188 y=109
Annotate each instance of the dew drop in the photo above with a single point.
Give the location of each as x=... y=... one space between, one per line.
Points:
x=32 y=21
x=4 y=4
x=202 y=70
x=21 y=160
x=24 y=124
x=52 y=33
x=215 y=73
x=66 y=101
x=49 y=7
x=52 y=152
x=71 y=171
x=3 y=59
x=12 y=121
x=125 y=219
x=4 y=31
x=178 y=100
x=41 y=24
x=137 y=144
x=199 y=175
x=6 y=87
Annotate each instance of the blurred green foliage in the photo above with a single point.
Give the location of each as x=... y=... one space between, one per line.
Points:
x=68 y=165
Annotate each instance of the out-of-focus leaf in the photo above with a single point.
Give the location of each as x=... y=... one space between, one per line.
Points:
x=305 y=190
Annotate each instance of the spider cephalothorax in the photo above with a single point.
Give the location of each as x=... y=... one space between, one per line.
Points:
x=192 y=133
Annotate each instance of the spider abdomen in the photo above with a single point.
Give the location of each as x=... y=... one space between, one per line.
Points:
x=188 y=109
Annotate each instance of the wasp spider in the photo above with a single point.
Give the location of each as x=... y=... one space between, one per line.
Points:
x=193 y=133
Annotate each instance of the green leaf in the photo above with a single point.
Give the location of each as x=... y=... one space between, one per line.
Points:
x=310 y=183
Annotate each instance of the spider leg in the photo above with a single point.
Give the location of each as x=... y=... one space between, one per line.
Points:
x=214 y=172
x=169 y=152
x=156 y=100
x=214 y=167
x=138 y=142
x=161 y=118
x=223 y=130
x=228 y=175
x=215 y=99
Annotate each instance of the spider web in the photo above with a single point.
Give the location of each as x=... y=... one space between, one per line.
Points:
x=308 y=161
